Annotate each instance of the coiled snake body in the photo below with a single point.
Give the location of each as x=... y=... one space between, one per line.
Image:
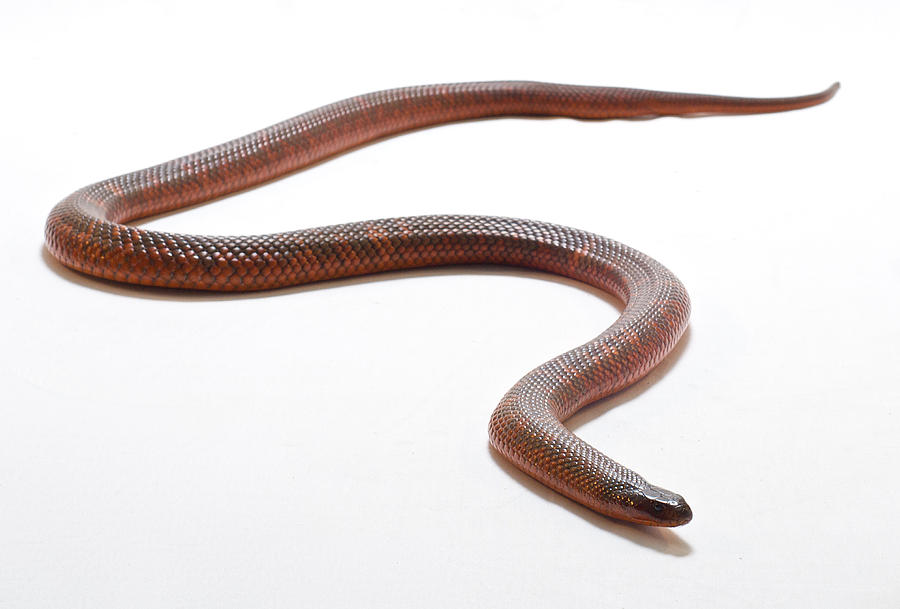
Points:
x=88 y=231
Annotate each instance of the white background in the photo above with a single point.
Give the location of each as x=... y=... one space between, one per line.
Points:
x=326 y=446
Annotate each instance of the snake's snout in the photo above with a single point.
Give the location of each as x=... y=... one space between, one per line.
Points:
x=683 y=513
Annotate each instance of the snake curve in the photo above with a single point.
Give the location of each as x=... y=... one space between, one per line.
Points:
x=88 y=231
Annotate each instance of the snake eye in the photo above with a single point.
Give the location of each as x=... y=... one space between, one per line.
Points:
x=658 y=507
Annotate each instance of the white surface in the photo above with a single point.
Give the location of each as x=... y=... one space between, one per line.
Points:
x=169 y=450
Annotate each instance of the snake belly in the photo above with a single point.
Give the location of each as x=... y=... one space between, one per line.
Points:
x=89 y=231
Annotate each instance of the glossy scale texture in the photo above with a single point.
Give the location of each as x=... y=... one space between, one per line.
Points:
x=88 y=231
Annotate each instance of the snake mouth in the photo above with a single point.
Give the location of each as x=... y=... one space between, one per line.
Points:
x=672 y=516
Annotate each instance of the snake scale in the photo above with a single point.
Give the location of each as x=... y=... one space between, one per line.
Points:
x=88 y=231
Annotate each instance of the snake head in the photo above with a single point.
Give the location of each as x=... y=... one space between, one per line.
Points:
x=657 y=506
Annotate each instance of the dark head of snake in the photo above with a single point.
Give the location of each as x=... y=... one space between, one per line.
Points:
x=656 y=506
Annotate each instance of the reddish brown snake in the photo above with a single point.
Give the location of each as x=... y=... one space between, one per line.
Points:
x=88 y=231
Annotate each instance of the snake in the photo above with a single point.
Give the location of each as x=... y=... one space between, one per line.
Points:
x=92 y=231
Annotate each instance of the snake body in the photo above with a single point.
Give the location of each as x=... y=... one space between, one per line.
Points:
x=89 y=232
